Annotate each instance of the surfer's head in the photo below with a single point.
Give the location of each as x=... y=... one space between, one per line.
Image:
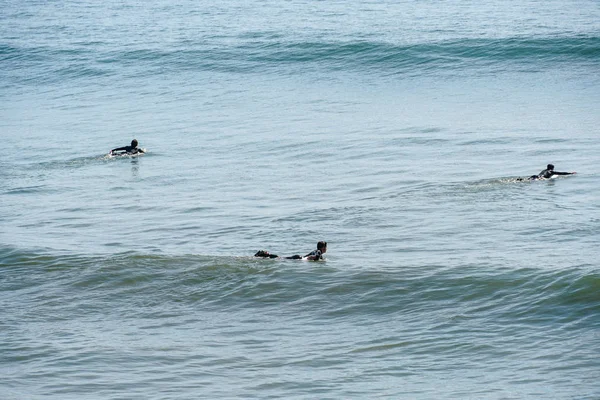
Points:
x=322 y=246
x=134 y=143
x=550 y=167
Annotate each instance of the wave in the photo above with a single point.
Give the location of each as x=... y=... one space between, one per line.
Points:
x=457 y=54
x=325 y=290
x=281 y=55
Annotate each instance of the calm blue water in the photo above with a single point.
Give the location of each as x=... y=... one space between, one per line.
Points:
x=394 y=130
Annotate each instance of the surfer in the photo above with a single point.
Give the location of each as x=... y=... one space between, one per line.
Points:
x=548 y=173
x=314 y=255
x=128 y=150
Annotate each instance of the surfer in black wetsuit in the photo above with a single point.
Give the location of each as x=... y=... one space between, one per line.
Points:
x=314 y=255
x=129 y=150
x=548 y=173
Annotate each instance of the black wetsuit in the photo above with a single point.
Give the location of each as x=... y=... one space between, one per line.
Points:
x=547 y=174
x=316 y=253
x=128 y=150
x=265 y=254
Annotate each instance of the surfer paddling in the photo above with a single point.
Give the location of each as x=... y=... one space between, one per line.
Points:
x=314 y=255
x=127 y=150
x=548 y=173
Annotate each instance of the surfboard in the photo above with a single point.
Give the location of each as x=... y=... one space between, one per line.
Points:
x=125 y=154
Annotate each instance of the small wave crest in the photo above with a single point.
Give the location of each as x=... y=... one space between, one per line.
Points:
x=329 y=291
x=282 y=55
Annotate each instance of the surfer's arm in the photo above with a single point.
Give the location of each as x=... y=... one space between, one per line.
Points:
x=314 y=256
x=119 y=149
x=564 y=173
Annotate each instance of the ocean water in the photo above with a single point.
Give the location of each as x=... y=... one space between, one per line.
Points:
x=394 y=130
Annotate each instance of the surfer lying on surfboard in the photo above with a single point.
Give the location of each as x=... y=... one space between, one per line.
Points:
x=127 y=150
x=548 y=173
x=314 y=255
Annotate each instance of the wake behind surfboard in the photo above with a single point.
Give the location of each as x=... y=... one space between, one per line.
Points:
x=536 y=178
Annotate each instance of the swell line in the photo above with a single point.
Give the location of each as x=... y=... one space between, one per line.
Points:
x=283 y=56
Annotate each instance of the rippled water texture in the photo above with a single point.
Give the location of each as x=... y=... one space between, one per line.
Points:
x=396 y=131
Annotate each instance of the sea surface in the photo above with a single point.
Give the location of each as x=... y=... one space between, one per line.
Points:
x=395 y=130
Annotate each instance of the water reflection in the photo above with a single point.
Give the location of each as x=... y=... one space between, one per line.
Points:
x=135 y=168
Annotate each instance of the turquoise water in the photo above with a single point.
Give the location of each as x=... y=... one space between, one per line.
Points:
x=395 y=131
